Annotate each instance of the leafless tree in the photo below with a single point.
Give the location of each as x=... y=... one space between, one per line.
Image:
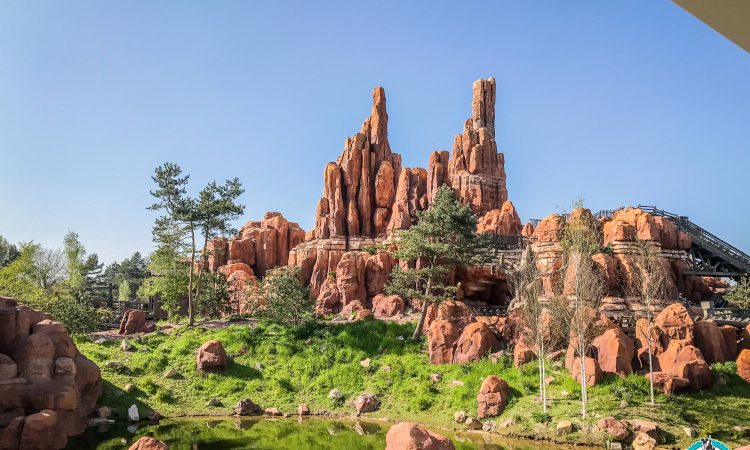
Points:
x=648 y=282
x=580 y=241
x=48 y=267
x=541 y=325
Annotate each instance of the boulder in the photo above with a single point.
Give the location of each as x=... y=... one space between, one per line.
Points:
x=592 y=369
x=387 y=306
x=643 y=441
x=668 y=383
x=729 y=333
x=493 y=397
x=647 y=334
x=132 y=322
x=686 y=361
x=303 y=410
x=475 y=342
x=352 y=308
x=409 y=436
x=43 y=431
x=743 y=365
x=441 y=340
x=245 y=407
x=564 y=427
x=615 y=351
x=616 y=429
x=675 y=323
x=710 y=341
x=148 y=443
x=211 y=357
x=366 y=403
x=523 y=353
x=745 y=337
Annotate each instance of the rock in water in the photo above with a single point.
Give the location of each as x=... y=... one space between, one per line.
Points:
x=409 y=436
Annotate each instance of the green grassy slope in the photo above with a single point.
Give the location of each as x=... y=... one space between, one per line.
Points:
x=303 y=365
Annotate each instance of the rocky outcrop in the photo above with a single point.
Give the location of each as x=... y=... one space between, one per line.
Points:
x=409 y=436
x=710 y=341
x=476 y=341
x=386 y=306
x=493 y=397
x=501 y=222
x=47 y=388
x=441 y=340
x=615 y=351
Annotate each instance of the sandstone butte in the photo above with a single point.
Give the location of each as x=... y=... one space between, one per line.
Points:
x=367 y=196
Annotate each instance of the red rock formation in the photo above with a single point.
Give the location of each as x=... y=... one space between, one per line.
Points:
x=493 y=397
x=675 y=324
x=593 y=371
x=387 y=306
x=475 y=342
x=645 y=335
x=441 y=339
x=743 y=365
x=615 y=351
x=710 y=341
x=43 y=378
x=614 y=428
x=148 y=443
x=686 y=361
x=361 y=184
x=729 y=333
x=668 y=383
x=409 y=436
x=549 y=229
x=411 y=196
x=528 y=230
x=501 y=222
x=476 y=169
x=437 y=173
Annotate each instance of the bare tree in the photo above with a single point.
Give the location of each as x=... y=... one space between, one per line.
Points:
x=648 y=282
x=48 y=267
x=541 y=325
x=580 y=241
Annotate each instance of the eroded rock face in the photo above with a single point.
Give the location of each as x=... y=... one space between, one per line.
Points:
x=361 y=185
x=493 y=397
x=47 y=388
x=675 y=323
x=409 y=436
x=501 y=222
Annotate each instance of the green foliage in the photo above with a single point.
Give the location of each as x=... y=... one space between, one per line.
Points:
x=444 y=237
x=124 y=293
x=83 y=268
x=133 y=270
x=282 y=298
x=739 y=295
x=214 y=301
x=541 y=417
x=302 y=364
x=169 y=277
x=188 y=220
x=8 y=252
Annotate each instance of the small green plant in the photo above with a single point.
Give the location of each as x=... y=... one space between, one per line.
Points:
x=541 y=417
x=709 y=427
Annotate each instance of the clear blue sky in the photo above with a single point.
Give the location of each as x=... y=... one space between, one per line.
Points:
x=617 y=102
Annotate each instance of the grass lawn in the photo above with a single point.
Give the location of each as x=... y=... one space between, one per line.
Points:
x=281 y=367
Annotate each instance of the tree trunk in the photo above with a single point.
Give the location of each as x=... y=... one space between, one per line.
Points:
x=191 y=314
x=584 y=388
x=418 y=331
x=650 y=364
x=543 y=369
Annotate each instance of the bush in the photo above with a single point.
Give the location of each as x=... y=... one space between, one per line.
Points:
x=282 y=298
x=78 y=318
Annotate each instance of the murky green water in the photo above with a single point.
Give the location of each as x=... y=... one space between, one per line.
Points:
x=274 y=434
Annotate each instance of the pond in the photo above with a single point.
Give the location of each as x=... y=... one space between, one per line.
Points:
x=214 y=433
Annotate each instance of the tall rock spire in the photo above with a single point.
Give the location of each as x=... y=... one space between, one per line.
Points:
x=360 y=187
x=476 y=169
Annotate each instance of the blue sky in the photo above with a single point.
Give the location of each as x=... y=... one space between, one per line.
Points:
x=617 y=102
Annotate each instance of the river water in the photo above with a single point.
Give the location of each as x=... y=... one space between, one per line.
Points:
x=223 y=433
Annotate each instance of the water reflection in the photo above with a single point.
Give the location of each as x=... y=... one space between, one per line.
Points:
x=276 y=434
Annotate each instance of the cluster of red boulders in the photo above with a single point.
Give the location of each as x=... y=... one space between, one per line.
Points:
x=134 y=321
x=47 y=388
x=682 y=349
